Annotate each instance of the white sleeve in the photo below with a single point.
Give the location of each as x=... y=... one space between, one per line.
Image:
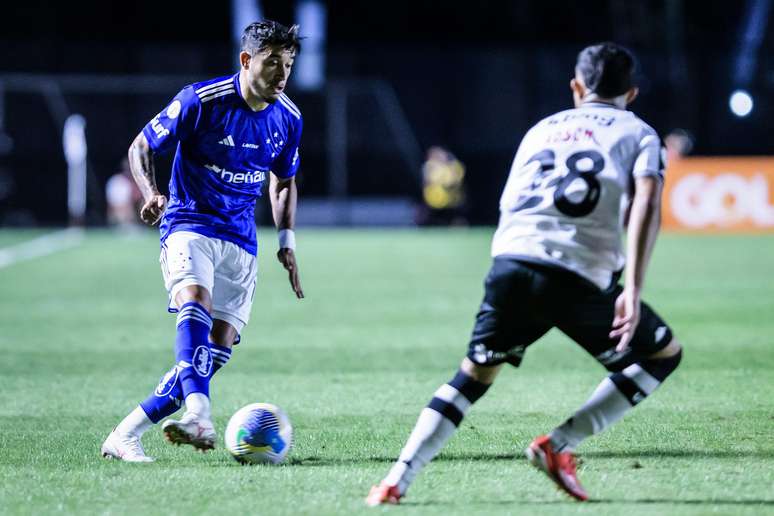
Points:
x=651 y=157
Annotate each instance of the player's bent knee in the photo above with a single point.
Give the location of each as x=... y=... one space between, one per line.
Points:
x=659 y=367
x=670 y=350
x=223 y=333
x=194 y=294
x=480 y=373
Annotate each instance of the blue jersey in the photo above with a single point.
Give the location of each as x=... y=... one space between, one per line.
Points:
x=224 y=151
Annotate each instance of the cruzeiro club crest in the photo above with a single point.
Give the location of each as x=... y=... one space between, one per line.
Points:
x=202 y=361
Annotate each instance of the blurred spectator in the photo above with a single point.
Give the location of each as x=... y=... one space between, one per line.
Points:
x=443 y=189
x=678 y=143
x=123 y=198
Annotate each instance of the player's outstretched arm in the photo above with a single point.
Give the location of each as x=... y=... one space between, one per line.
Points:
x=144 y=173
x=644 y=222
x=283 y=196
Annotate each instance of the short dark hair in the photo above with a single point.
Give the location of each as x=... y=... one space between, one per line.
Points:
x=261 y=34
x=607 y=69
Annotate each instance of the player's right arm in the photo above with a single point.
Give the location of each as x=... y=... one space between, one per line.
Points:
x=144 y=173
x=174 y=124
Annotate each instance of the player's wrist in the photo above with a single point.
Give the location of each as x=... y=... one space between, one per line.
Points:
x=287 y=239
x=633 y=291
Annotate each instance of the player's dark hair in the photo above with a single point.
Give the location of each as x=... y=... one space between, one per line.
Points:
x=607 y=69
x=259 y=35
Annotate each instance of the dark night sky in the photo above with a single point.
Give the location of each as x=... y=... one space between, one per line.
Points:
x=711 y=24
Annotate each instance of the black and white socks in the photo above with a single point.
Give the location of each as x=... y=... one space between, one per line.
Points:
x=612 y=399
x=436 y=424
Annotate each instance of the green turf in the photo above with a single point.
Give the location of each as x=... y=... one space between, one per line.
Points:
x=84 y=336
x=10 y=238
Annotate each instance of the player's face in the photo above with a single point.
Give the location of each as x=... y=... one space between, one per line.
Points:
x=268 y=71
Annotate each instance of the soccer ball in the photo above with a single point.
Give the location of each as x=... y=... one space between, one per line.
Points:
x=259 y=433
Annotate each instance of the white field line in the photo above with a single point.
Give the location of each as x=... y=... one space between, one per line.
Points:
x=41 y=246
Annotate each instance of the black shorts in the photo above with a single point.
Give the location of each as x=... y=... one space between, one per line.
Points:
x=523 y=300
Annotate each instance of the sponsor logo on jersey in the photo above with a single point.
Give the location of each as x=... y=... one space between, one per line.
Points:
x=250 y=145
x=228 y=141
x=159 y=129
x=256 y=176
x=174 y=109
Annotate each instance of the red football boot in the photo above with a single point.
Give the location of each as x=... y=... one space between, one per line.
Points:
x=560 y=467
x=383 y=494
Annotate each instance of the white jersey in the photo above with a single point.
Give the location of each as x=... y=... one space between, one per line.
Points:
x=569 y=186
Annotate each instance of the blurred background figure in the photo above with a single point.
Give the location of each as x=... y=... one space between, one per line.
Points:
x=678 y=143
x=443 y=190
x=123 y=198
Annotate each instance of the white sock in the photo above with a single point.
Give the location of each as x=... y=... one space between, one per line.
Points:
x=609 y=402
x=430 y=434
x=135 y=424
x=199 y=404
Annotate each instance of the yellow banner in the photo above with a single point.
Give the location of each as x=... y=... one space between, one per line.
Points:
x=723 y=194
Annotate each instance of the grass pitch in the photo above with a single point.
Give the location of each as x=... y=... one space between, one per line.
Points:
x=84 y=336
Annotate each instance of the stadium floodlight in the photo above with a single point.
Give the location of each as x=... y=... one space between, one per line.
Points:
x=741 y=103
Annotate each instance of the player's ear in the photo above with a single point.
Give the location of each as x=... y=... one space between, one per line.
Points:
x=632 y=94
x=578 y=91
x=244 y=59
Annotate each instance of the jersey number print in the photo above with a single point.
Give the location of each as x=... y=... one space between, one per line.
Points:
x=562 y=201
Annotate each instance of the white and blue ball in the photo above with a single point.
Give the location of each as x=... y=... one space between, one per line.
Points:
x=259 y=433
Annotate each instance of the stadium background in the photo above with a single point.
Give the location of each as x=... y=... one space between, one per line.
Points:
x=84 y=332
x=395 y=79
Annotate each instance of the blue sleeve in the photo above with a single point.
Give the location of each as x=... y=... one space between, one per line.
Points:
x=176 y=123
x=286 y=164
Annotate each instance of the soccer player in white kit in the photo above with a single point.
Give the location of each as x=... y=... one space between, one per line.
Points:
x=578 y=179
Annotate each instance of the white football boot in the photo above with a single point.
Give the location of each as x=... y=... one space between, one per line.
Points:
x=192 y=429
x=125 y=447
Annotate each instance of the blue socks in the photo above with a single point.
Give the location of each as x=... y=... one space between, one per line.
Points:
x=192 y=348
x=197 y=361
x=168 y=396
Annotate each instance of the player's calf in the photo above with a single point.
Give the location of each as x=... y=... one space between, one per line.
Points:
x=436 y=424
x=168 y=396
x=615 y=396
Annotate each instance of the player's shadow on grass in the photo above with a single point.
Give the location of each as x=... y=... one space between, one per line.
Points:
x=602 y=501
x=624 y=454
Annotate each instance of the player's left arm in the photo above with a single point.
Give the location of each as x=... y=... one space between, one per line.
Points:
x=644 y=221
x=283 y=195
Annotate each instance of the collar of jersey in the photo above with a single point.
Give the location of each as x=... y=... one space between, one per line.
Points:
x=243 y=102
x=593 y=103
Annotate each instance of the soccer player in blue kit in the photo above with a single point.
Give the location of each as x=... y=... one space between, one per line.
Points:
x=230 y=134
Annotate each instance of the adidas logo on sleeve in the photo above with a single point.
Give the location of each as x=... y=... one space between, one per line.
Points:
x=228 y=141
